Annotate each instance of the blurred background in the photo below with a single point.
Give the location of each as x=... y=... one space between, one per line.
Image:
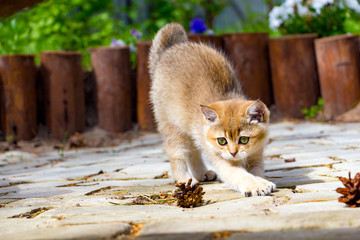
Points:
x=34 y=26
x=277 y=47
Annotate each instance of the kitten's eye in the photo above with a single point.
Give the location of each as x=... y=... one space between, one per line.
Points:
x=222 y=141
x=244 y=140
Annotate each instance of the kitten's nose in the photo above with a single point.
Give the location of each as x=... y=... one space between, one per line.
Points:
x=234 y=153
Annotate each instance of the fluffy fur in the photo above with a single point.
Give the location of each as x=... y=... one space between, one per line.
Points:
x=197 y=99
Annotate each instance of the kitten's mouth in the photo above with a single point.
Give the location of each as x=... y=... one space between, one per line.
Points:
x=233 y=153
x=240 y=156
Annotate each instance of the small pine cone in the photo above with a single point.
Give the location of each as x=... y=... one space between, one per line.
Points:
x=351 y=192
x=189 y=196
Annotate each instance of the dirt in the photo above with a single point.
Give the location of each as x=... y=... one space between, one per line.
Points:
x=352 y=115
x=33 y=213
x=91 y=138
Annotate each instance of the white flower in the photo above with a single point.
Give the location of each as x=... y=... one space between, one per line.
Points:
x=277 y=16
x=319 y=4
x=302 y=10
x=281 y=13
x=210 y=32
x=291 y=3
x=117 y=43
x=354 y=5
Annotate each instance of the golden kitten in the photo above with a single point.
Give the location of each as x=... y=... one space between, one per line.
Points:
x=201 y=112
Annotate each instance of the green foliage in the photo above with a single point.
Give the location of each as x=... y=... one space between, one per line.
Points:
x=332 y=19
x=79 y=25
x=313 y=110
x=9 y=138
x=61 y=150
x=255 y=22
x=212 y=9
x=329 y=22
x=352 y=22
x=165 y=11
x=62 y=25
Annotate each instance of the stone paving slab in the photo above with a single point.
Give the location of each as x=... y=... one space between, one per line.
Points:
x=90 y=193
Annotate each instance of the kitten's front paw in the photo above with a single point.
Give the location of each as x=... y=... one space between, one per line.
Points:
x=267 y=183
x=205 y=175
x=210 y=175
x=256 y=186
x=193 y=181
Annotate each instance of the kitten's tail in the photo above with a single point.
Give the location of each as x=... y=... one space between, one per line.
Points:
x=166 y=37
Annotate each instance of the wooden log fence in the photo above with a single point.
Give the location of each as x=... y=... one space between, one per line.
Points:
x=339 y=66
x=64 y=92
x=215 y=41
x=145 y=114
x=18 y=89
x=293 y=66
x=250 y=56
x=294 y=73
x=112 y=70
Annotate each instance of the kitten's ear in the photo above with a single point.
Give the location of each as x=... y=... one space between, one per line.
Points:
x=210 y=114
x=257 y=112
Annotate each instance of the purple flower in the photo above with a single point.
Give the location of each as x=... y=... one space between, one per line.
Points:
x=113 y=42
x=197 y=25
x=135 y=33
x=117 y=43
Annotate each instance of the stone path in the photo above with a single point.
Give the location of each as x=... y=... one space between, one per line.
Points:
x=90 y=193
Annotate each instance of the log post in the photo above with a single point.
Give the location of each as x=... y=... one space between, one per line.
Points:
x=294 y=73
x=64 y=92
x=40 y=96
x=145 y=114
x=249 y=53
x=338 y=66
x=18 y=76
x=91 y=116
x=112 y=70
x=133 y=76
x=216 y=41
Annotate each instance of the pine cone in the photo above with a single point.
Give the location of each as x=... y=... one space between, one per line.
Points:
x=189 y=196
x=351 y=191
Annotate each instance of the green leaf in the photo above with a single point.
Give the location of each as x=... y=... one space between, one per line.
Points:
x=13 y=23
x=320 y=101
x=313 y=110
x=305 y=111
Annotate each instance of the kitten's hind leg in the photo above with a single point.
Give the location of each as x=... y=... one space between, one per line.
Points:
x=177 y=148
x=197 y=166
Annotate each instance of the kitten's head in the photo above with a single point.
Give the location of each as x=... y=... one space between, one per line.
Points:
x=235 y=129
